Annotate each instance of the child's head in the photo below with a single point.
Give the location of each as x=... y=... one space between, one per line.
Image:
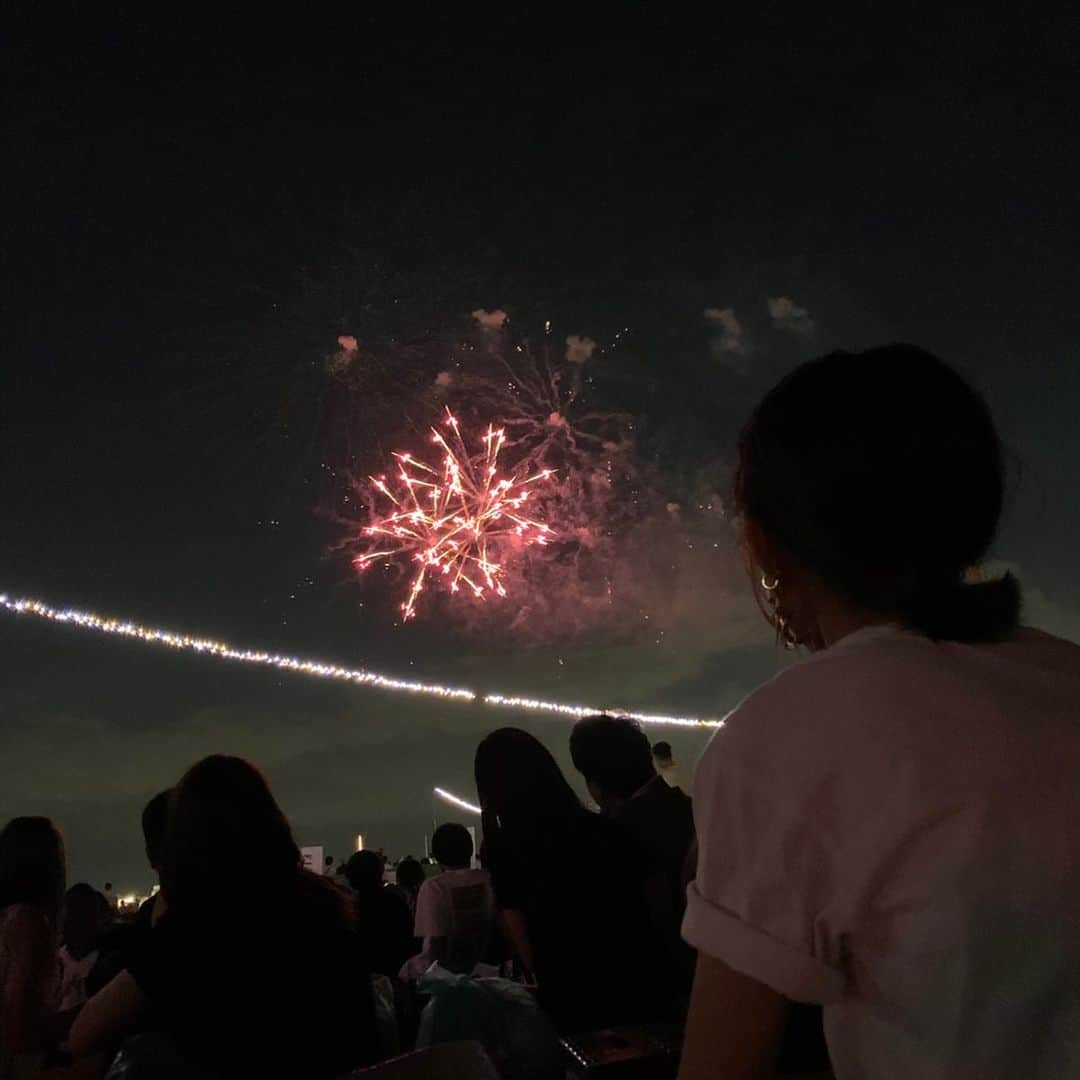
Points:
x=452 y=846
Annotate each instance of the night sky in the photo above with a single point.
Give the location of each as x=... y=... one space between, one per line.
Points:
x=192 y=215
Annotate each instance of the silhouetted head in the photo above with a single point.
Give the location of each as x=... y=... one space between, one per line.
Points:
x=614 y=756
x=155 y=821
x=409 y=874
x=32 y=867
x=520 y=785
x=452 y=846
x=879 y=477
x=105 y=909
x=364 y=871
x=662 y=752
x=228 y=841
x=84 y=920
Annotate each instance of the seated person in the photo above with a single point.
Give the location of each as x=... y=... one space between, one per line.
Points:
x=155 y=823
x=383 y=920
x=32 y=870
x=82 y=954
x=252 y=967
x=455 y=909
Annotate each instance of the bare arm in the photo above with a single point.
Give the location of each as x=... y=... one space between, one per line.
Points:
x=111 y=1014
x=435 y=948
x=517 y=933
x=734 y=1026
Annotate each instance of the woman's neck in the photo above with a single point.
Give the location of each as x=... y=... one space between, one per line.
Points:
x=836 y=620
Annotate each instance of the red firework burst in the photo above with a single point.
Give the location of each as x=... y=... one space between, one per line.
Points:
x=458 y=523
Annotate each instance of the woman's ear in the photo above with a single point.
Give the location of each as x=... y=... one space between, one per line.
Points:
x=760 y=555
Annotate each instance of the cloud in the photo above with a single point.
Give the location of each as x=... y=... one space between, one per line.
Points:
x=789 y=316
x=579 y=349
x=348 y=350
x=1044 y=614
x=729 y=345
x=444 y=378
x=490 y=320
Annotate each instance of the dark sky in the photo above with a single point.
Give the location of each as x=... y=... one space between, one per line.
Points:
x=191 y=215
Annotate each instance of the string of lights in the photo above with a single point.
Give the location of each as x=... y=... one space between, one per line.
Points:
x=124 y=628
x=563 y=709
x=455 y=800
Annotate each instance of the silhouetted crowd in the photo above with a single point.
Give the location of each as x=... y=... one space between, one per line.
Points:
x=878 y=873
x=244 y=963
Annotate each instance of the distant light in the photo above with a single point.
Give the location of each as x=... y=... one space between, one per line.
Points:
x=359 y=841
x=454 y=800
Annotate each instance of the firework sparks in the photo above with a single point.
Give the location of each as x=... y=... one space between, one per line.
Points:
x=458 y=523
x=125 y=628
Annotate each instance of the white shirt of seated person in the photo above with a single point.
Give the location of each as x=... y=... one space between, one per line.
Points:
x=891 y=828
x=455 y=904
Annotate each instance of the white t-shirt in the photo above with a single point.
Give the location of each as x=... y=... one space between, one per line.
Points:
x=892 y=829
x=457 y=905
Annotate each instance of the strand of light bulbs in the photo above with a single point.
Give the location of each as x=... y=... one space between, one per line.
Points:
x=456 y=800
x=103 y=624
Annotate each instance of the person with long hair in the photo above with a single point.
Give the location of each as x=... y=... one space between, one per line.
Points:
x=32 y=880
x=567 y=883
x=891 y=827
x=409 y=877
x=252 y=966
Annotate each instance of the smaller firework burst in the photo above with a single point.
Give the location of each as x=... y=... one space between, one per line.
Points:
x=460 y=523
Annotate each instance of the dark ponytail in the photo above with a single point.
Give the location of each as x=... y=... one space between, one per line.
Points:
x=883 y=473
x=967 y=611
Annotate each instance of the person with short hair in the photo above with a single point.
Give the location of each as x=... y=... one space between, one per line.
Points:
x=383 y=920
x=890 y=827
x=155 y=823
x=613 y=755
x=666 y=765
x=455 y=909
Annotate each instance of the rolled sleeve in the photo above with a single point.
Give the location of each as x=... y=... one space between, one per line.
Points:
x=772 y=894
x=711 y=929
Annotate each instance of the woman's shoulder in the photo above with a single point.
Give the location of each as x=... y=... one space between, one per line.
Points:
x=816 y=711
x=884 y=691
x=826 y=678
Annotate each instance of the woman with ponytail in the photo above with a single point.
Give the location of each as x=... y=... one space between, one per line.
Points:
x=891 y=827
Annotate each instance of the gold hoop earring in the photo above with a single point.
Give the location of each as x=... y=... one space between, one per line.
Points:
x=785 y=632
